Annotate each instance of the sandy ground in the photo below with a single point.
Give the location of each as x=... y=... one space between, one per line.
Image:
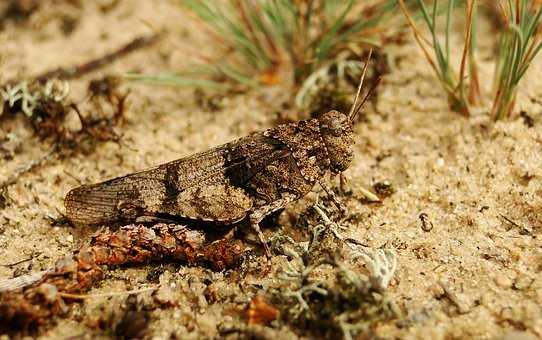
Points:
x=479 y=184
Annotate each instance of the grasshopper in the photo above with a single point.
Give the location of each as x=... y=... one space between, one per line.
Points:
x=244 y=180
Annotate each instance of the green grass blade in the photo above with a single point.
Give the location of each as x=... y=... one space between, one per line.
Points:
x=325 y=44
x=448 y=24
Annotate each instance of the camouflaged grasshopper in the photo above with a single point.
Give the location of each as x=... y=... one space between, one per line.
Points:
x=244 y=180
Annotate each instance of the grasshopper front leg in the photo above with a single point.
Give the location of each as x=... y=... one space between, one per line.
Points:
x=333 y=198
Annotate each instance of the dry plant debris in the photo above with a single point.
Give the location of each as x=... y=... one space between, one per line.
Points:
x=52 y=115
x=26 y=307
x=44 y=100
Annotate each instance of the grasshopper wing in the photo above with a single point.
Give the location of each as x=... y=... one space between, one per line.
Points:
x=207 y=186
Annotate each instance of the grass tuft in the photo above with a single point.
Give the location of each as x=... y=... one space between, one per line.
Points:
x=452 y=81
x=520 y=42
x=263 y=36
x=265 y=42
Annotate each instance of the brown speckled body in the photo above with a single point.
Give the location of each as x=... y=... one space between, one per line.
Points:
x=247 y=178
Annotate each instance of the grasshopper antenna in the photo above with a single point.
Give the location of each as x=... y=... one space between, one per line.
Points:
x=353 y=110
x=371 y=91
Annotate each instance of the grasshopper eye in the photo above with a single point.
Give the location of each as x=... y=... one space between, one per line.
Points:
x=334 y=124
x=338 y=126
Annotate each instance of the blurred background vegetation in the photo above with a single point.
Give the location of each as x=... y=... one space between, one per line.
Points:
x=317 y=46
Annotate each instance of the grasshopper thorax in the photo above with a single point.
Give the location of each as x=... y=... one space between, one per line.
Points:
x=338 y=136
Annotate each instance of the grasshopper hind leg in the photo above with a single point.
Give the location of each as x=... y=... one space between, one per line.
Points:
x=257 y=215
x=255 y=224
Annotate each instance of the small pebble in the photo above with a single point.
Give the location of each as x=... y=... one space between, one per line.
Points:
x=523 y=282
x=165 y=296
x=72 y=122
x=426 y=223
x=436 y=290
x=503 y=281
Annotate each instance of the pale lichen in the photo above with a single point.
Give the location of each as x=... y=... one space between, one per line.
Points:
x=381 y=264
x=29 y=96
x=320 y=287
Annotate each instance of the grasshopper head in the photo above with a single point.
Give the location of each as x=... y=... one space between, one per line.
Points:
x=337 y=133
x=336 y=128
